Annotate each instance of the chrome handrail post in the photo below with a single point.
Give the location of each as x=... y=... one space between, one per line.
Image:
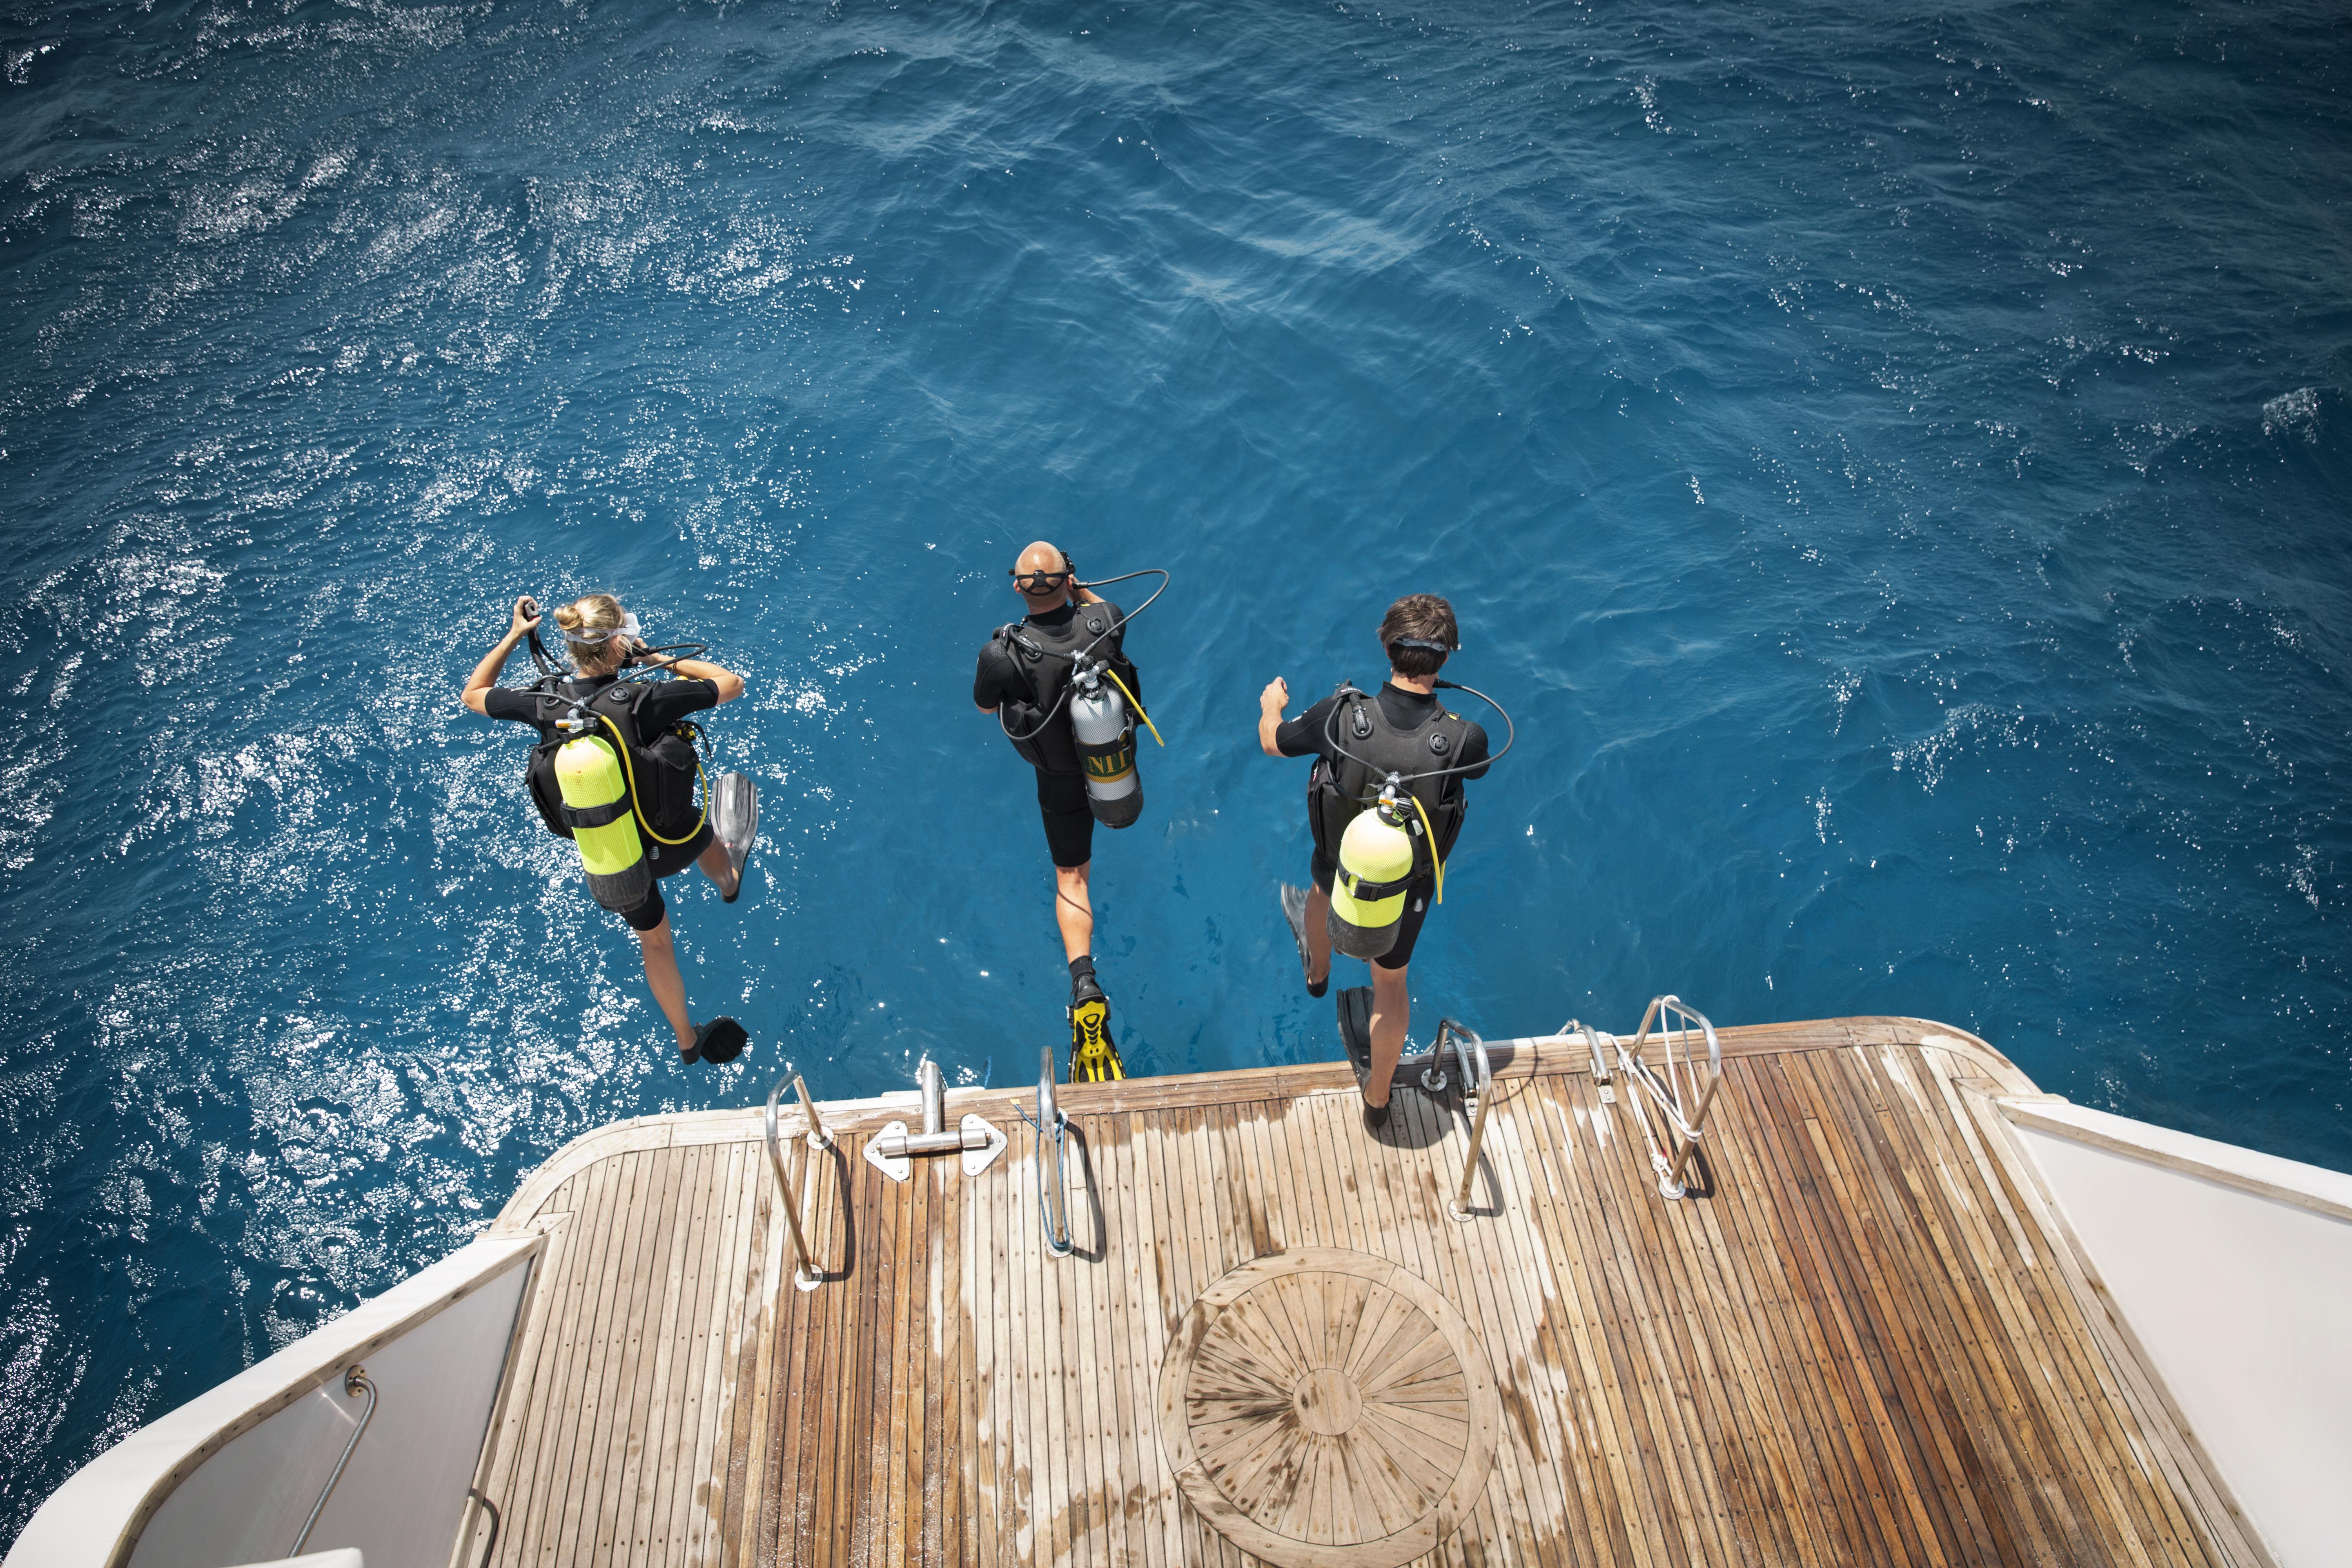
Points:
x=804 y=1273
x=1642 y=1034
x=1478 y=1085
x=1646 y=1085
x=1698 y=1124
x=820 y=1136
x=1054 y=1220
x=1601 y=1071
x=356 y=1383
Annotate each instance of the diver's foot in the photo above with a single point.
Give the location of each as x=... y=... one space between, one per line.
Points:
x=690 y=1050
x=1294 y=911
x=732 y=887
x=1375 y=1116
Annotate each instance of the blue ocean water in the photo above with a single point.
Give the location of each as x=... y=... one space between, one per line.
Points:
x=1894 y=471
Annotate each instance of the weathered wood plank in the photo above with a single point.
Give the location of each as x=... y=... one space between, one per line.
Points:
x=575 y=1363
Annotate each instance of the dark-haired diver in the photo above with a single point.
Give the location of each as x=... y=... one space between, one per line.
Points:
x=616 y=755
x=1384 y=802
x=1063 y=689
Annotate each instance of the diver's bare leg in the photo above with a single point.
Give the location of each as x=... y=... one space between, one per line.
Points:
x=1318 y=935
x=1391 y=1010
x=714 y=865
x=669 y=986
x=1071 y=912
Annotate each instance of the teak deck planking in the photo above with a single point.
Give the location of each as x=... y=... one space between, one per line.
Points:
x=1863 y=1340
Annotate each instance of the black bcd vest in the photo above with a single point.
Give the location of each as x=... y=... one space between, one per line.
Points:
x=1043 y=654
x=664 y=765
x=1337 y=795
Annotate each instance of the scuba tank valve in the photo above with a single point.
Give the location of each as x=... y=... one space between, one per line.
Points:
x=596 y=807
x=1376 y=862
x=1106 y=744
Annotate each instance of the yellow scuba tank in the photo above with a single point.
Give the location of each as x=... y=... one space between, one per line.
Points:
x=1376 y=861
x=596 y=807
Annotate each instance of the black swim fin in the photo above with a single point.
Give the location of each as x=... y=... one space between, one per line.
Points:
x=720 y=1040
x=1356 y=1029
x=1093 y=1055
x=1293 y=911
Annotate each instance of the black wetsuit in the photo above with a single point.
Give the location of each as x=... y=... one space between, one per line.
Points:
x=1061 y=797
x=664 y=704
x=1308 y=735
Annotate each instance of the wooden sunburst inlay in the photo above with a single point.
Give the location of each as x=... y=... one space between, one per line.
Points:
x=1325 y=1408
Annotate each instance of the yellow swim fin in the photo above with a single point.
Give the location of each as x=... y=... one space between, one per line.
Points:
x=1093 y=1055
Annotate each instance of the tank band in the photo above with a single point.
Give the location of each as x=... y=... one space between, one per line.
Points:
x=580 y=816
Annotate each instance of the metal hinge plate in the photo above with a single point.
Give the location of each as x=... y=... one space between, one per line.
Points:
x=896 y=1169
x=975 y=1161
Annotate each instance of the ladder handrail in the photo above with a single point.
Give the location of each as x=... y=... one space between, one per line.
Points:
x=1051 y=1123
x=804 y=1272
x=356 y=1383
x=1477 y=1084
x=1681 y=1086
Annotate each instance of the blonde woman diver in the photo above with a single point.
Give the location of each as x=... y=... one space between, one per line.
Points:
x=648 y=716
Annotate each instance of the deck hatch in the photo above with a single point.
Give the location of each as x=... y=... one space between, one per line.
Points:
x=1326 y=1401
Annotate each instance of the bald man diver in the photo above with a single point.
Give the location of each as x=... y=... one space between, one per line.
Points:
x=1025 y=681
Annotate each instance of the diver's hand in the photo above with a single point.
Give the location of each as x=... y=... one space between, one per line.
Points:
x=1275 y=697
x=475 y=694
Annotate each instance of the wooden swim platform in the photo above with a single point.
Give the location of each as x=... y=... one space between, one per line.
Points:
x=1863 y=1338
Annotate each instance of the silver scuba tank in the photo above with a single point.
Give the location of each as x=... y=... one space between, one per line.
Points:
x=1106 y=737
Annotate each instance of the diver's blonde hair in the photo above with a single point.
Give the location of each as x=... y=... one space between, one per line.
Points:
x=594 y=613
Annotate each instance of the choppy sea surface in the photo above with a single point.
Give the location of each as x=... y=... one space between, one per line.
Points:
x=1894 y=471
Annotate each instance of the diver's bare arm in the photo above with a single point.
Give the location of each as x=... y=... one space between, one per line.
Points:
x=729 y=684
x=486 y=674
x=1269 y=715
